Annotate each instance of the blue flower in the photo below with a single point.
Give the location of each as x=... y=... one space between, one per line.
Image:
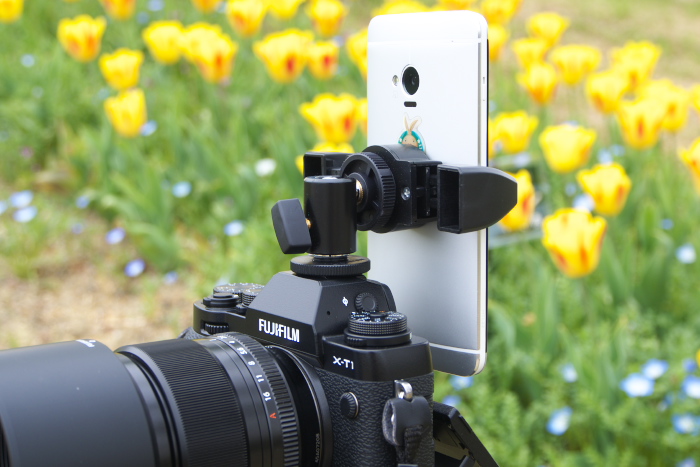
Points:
x=689 y=462
x=156 y=5
x=559 y=421
x=3 y=206
x=77 y=228
x=686 y=254
x=182 y=189
x=82 y=202
x=170 y=277
x=234 y=228
x=605 y=156
x=135 y=267
x=691 y=386
x=654 y=368
x=21 y=199
x=522 y=159
x=617 y=150
x=637 y=385
x=584 y=202
x=115 y=236
x=451 y=400
x=685 y=424
x=667 y=224
x=569 y=373
x=27 y=60
x=142 y=17
x=149 y=128
x=461 y=382
x=690 y=365
x=25 y=214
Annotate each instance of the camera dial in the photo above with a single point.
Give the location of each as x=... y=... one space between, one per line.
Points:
x=377 y=329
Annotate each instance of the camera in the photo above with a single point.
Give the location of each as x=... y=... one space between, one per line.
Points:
x=410 y=80
x=316 y=368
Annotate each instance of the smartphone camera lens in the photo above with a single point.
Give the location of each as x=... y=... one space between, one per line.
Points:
x=410 y=80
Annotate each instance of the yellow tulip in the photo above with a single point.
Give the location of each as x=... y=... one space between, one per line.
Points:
x=327 y=16
x=333 y=117
x=163 y=40
x=605 y=90
x=530 y=50
x=81 y=36
x=206 y=6
x=215 y=58
x=246 y=16
x=695 y=97
x=567 y=147
x=196 y=37
x=514 y=130
x=575 y=62
x=394 y=7
x=675 y=99
x=540 y=81
x=357 y=49
x=494 y=137
x=637 y=60
x=11 y=10
x=323 y=59
x=608 y=185
x=499 y=11
x=127 y=112
x=519 y=217
x=284 y=9
x=451 y=5
x=284 y=53
x=361 y=114
x=641 y=122
x=691 y=158
x=574 y=240
x=548 y=26
x=121 y=69
x=119 y=9
x=498 y=36
x=325 y=147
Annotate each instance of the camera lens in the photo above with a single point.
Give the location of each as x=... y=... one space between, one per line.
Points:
x=410 y=80
x=225 y=400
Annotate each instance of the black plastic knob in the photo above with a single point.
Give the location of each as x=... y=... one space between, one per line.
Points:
x=221 y=300
x=215 y=328
x=349 y=406
x=290 y=225
x=365 y=302
x=250 y=293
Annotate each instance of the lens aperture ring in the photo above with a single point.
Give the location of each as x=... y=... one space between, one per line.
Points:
x=278 y=401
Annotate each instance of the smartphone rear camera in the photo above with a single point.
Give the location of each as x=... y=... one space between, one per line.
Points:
x=410 y=80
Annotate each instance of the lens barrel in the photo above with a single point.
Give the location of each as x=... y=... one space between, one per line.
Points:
x=225 y=400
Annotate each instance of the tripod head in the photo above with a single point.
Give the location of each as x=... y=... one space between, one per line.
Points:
x=383 y=189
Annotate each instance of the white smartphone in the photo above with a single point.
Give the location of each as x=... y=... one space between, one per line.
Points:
x=428 y=86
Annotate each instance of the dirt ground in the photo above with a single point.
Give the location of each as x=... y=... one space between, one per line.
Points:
x=88 y=303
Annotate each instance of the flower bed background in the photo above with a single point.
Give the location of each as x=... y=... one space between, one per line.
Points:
x=147 y=155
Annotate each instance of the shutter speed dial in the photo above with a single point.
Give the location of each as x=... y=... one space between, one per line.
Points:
x=377 y=329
